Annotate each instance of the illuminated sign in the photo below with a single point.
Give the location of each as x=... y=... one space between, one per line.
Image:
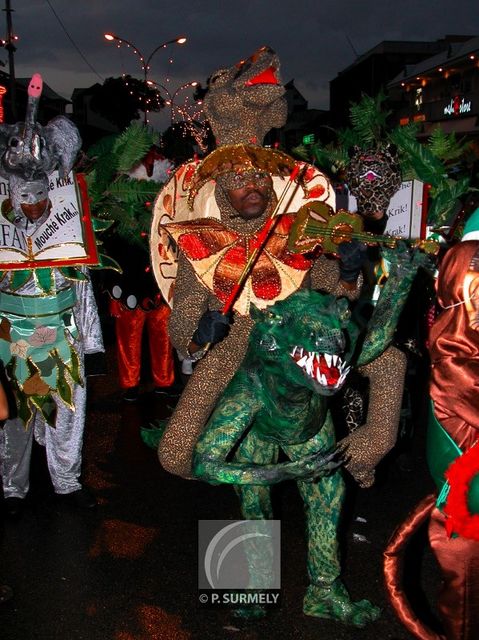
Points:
x=457 y=106
x=308 y=139
x=3 y=91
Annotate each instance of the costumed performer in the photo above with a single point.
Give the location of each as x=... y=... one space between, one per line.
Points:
x=243 y=179
x=454 y=524
x=277 y=401
x=135 y=301
x=48 y=316
x=5 y=590
x=452 y=453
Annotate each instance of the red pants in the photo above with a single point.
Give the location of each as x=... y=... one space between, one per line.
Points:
x=458 y=601
x=129 y=326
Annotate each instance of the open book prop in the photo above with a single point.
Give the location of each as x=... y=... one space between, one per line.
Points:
x=64 y=238
x=45 y=221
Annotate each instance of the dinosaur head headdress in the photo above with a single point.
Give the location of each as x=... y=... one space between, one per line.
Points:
x=246 y=100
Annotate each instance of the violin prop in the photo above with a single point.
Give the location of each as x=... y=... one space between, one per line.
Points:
x=316 y=224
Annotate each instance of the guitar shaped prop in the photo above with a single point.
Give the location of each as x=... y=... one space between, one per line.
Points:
x=316 y=224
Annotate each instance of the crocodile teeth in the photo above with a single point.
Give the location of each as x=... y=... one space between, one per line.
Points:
x=342 y=377
x=302 y=361
x=310 y=365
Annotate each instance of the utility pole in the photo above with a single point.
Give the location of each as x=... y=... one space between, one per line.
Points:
x=11 y=48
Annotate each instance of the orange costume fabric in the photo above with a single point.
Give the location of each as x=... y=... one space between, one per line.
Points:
x=219 y=255
x=129 y=327
x=454 y=349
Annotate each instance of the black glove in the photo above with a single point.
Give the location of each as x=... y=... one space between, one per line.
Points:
x=351 y=257
x=212 y=328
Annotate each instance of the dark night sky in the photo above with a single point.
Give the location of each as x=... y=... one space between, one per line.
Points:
x=314 y=38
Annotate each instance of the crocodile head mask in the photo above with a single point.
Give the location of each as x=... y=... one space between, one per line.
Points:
x=302 y=340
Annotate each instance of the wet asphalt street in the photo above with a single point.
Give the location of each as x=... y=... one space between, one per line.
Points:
x=128 y=569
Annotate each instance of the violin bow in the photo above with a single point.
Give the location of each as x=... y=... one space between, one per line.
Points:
x=262 y=239
x=264 y=234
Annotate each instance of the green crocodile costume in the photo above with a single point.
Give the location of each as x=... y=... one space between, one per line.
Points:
x=300 y=351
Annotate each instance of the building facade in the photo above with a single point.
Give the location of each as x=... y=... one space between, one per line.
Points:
x=441 y=91
x=372 y=71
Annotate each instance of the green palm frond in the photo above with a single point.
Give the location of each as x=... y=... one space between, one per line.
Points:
x=348 y=138
x=105 y=167
x=332 y=159
x=128 y=190
x=426 y=166
x=445 y=146
x=114 y=196
x=368 y=119
x=103 y=147
x=444 y=200
x=301 y=152
x=435 y=162
x=132 y=145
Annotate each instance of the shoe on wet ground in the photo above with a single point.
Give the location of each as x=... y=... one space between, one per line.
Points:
x=172 y=392
x=80 y=499
x=13 y=507
x=131 y=394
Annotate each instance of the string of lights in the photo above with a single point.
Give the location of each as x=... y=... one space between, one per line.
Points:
x=189 y=115
x=144 y=61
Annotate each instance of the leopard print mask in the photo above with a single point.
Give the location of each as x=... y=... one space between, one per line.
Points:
x=373 y=177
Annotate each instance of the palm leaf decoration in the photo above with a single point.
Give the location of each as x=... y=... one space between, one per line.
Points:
x=418 y=158
x=435 y=162
x=337 y=157
x=368 y=120
x=445 y=146
x=132 y=145
x=116 y=197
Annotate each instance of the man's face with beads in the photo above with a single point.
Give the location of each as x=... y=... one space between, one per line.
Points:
x=249 y=192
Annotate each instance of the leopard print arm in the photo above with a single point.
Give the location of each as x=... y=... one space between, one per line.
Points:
x=368 y=445
x=190 y=301
x=325 y=277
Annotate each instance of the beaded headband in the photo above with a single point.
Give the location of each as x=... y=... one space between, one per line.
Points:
x=239 y=158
